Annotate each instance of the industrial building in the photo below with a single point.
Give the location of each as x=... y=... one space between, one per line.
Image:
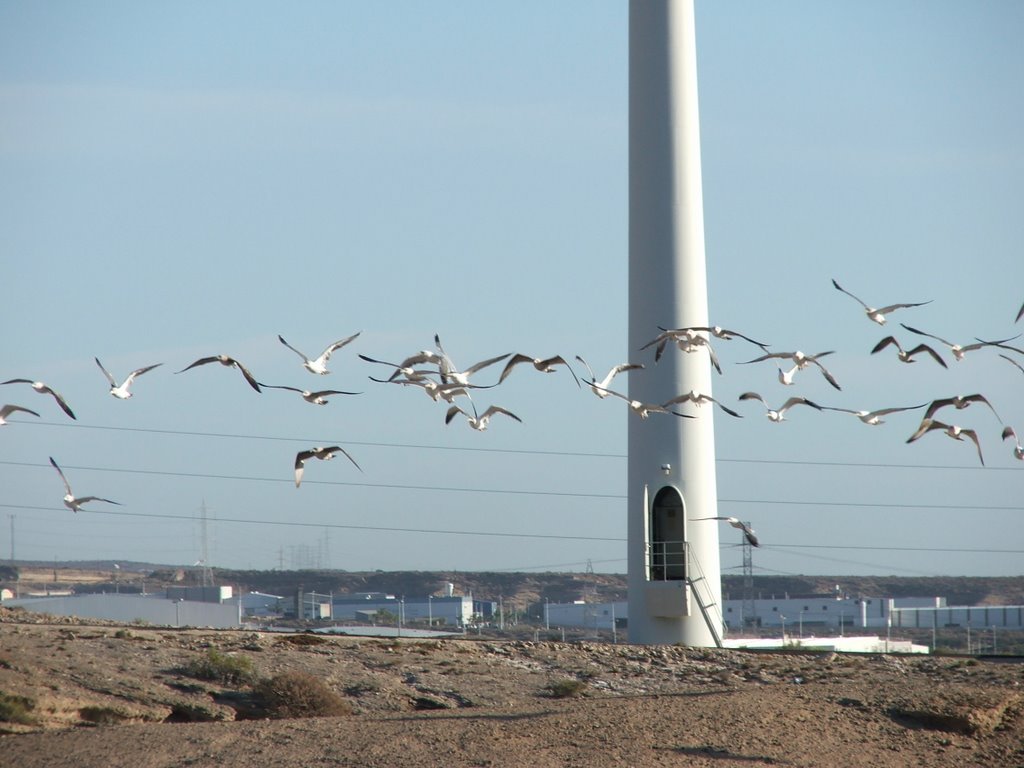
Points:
x=812 y=615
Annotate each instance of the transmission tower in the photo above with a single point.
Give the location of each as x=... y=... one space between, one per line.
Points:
x=749 y=612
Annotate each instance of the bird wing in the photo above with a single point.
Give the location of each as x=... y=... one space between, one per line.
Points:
x=590 y=370
x=714 y=358
x=927 y=425
x=326 y=355
x=753 y=396
x=85 y=499
x=1008 y=432
x=17 y=381
x=248 y=376
x=661 y=339
x=886 y=411
x=981 y=399
x=1013 y=362
x=930 y=351
x=67 y=485
x=798 y=401
x=281 y=386
x=450 y=414
x=1020 y=313
x=843 y=410
x=885 y=343
x=513 y=361
x=348 y=456
x=894 y=307
x=325 y=392
x=843 y=290
x=559 y=360
x=293 y=349
x=929 y=335
x=769 y=356
x=105 y=372
x=824 y=372
x=484 y=363
x=977 y=443
x=611 y=392
x=724 y=333
x=140 y=371
x=7 y=410
x=200 y=361
x=60 y=401
x=493 y=409
x=728 y=410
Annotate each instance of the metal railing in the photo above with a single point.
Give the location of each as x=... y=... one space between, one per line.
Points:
x=676 y=561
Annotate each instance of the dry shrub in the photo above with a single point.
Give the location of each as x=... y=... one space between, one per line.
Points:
x=302 y=640
x=566 y=688
x=221 y=668
x=297 y=694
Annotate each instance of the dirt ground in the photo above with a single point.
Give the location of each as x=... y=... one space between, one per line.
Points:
x=128 y=696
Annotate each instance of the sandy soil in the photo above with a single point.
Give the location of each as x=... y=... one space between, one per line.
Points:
x=127 y=696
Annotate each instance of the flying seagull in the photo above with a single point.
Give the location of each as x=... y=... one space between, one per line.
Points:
x=878 y=315
x=43 y=389
x=435 y=390
x=951 y=430
x=599 y=388
x=717 y=331
x=228 y=362
x=687 y=340
x=1018 y=449
x=735 y=522
x=959 y=350
x=322 y=453
x=779 y=414
x=450 y=373
x=907 y=356
x=316 y=398
x=319 y=364
x=405 y=368
x=72 y=502
x=545 y=365
x=478 y=422
x=8 y=409
x=873 y=418
x=120 y=391
x=641 y=409
x=699 y=399
x=959 y=402
x=801 y=360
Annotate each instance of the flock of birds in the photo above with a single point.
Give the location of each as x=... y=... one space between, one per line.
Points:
x=435 y=373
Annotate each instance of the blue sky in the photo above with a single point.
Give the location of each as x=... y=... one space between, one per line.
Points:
x=188 y=179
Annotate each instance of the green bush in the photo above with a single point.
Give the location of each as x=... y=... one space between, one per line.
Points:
x=221 y=668
x=297 y=694
x=16 y=709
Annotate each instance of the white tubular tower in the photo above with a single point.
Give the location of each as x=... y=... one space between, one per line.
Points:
x=674 y=569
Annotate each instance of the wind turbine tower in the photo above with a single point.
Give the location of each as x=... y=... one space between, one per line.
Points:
x=673 y=560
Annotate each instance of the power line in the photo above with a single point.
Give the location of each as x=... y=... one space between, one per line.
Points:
x=497 y=534
x=517 y=491
x=518 y=451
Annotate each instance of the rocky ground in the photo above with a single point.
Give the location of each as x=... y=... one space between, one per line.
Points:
x=108 y=695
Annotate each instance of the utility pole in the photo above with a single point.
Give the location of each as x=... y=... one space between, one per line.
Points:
x=12 y=539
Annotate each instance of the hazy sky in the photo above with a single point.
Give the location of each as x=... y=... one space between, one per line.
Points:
x=185 y=179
